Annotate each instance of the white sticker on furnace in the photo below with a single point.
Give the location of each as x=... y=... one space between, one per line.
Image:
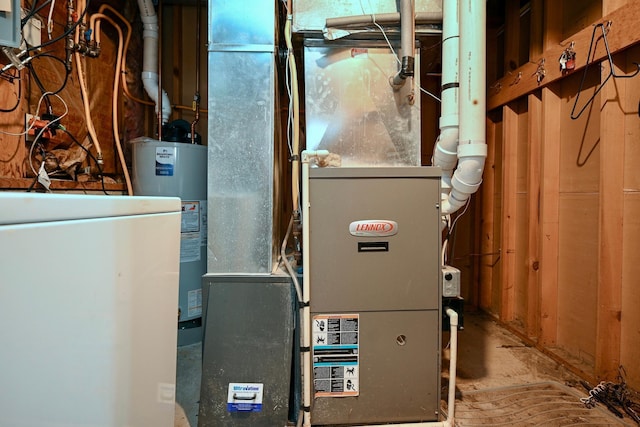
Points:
x=336 y=355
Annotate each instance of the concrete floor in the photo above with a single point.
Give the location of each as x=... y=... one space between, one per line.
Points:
x=488 y=356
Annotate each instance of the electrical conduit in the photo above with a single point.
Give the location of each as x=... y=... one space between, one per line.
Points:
x=150 y=78
x=472 y=148
x=445 y=151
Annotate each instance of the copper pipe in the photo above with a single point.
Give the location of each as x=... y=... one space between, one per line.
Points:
x=196 y=95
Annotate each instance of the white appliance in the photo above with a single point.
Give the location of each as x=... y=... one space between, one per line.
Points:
x=88 y=304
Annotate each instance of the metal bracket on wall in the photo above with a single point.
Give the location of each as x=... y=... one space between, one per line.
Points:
x=605 y=27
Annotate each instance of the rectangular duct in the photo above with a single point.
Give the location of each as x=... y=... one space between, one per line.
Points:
x=241 y=55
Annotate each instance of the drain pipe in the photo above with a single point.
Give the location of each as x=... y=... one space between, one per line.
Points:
x=445 y=151
x=472 y=148
x=407 y=42
x=150 y=78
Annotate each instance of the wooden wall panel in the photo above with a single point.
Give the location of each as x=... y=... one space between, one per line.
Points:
x=579 y=139
x=578 y=277
x=630 y=319
x=629 y=289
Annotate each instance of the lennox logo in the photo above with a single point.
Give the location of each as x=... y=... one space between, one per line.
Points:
x=373 y=228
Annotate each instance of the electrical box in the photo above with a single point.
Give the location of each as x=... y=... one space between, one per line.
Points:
x=10 y=23
x=375 y=294
x=450 y=281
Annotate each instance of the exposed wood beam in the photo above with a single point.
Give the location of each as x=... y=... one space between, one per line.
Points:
x=624 y=32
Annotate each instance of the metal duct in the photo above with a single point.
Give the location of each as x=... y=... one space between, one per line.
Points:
x=241 y=124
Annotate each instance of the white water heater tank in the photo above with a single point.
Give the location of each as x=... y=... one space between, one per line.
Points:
x=162 y=168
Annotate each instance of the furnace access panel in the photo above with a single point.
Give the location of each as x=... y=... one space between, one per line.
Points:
x=375 y=294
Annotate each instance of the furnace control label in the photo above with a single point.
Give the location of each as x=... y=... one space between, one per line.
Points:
x=336 y=355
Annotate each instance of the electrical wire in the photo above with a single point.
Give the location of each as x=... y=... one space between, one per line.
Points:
x=44 y=128
x=18 y=95
x=37 y=79
x=66 y=33
x=37 y=109
x=90 y=154
x=395 y=55
x=50 y=18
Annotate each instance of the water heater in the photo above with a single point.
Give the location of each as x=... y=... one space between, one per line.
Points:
x=162 y=168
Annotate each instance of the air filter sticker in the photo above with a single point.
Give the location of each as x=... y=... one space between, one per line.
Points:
x=373 y=228
x=336 y=355
x=165 y=161
x=245 y=397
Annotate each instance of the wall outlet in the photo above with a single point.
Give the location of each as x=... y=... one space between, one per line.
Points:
x=29 y=135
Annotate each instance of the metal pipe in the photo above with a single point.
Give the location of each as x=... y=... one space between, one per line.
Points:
x=196 y=95
x=381 y=18
x=407 y=42
x=159 y=67
x=445 y=150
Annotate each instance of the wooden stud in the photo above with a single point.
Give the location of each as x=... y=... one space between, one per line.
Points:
x=533 y=202
x=509 y=211
x=487 y=254
x=612 y=148
x=549 y=217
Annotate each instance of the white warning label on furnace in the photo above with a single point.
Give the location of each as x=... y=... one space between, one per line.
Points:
x=335 y=355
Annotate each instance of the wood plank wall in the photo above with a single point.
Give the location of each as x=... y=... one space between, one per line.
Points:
x=561 y=196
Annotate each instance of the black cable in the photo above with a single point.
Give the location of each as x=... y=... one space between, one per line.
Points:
x=38 y=81
x=33 y=11
x=73 y=138
x=65 y=34
x=2 y=110
x=35 y=78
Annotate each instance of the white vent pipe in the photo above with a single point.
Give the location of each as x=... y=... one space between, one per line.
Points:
x=445 y=153
x=472 y=147
x=150 y=78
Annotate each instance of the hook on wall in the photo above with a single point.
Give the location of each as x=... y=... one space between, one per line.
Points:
x=605 y=28
x=540 y=71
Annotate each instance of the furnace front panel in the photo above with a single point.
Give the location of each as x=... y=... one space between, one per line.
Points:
x=374 y=294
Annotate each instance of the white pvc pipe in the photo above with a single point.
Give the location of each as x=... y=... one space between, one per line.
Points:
x=306 y=312
x=472 y=147
x=150 y=59
x=445 y=151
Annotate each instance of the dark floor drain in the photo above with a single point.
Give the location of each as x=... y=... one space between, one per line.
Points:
x=542 y=404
